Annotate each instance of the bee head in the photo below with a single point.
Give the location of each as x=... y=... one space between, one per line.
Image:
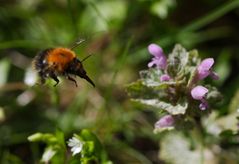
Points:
x=76 y=68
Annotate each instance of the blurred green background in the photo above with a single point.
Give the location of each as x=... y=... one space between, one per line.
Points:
x=117 y=34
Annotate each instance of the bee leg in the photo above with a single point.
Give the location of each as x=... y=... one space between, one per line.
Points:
x=71 y=79
x=54 y=77
x=42 y=78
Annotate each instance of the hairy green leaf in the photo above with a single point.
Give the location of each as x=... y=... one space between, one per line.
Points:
x=171 y=109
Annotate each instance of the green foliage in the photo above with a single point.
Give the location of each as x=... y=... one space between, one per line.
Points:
x=55 y=146
x=174 y=110
x=56 y=150
x=160 y=8
x=4 y=67
x=93 y=149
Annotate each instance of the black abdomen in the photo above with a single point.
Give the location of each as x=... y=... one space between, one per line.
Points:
x=40 y=59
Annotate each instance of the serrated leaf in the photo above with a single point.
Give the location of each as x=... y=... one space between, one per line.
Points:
x=193 y=59
x=135 y=86
x=149 y=89
x=171 y=109
x=213 y=96
x=139 y=90
x=193 y=62
x=151 y=77
x=162 y=129
x=177 y=60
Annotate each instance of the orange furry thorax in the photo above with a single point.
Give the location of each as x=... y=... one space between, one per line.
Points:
x=59 y=58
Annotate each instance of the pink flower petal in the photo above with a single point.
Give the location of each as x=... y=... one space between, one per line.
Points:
x=204 y=69
x=164 y=121
x=162 y=62
x=207 y=63
x=159 y=58
x=155 y=50
x=150 y=64
x=199 y=92
x=165 y=77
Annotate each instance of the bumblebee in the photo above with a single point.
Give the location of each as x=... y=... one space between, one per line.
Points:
x=54 y=62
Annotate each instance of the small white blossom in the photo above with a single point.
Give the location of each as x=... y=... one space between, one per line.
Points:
x=48 y=154
x=76 y=145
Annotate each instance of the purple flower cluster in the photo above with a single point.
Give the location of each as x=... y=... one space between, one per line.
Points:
x=203 y=70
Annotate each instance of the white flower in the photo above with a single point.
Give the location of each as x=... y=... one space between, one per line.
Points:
x=48 y=154
x=75 y=144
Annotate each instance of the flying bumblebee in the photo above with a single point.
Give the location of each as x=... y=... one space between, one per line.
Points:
x=54 y=62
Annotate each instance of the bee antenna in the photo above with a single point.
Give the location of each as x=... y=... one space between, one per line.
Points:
x=76 y=44
x=86 y=58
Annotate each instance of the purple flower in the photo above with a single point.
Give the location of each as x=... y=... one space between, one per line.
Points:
x=204 y=69
x=159 y=58
x=165 y=77
x=198 y=93
x=203 y=105
x=164 y=122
